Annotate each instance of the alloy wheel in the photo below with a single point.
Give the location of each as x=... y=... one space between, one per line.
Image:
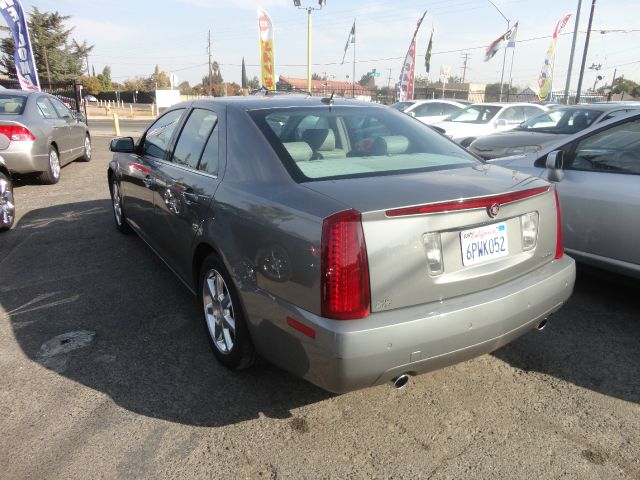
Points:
x=117 y=207
x=87 y=147
x=54 y=163
x=7 y=206
x=219 y=312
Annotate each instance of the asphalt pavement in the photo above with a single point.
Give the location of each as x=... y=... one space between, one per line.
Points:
x=106 y=372
x=128 y=127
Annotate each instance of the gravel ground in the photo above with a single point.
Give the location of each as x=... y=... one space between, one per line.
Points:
x=106 y=372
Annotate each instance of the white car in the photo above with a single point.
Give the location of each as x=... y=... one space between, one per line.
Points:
x=481 y=119
x=430 y=111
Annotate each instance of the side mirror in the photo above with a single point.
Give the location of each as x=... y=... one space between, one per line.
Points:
x=554 y=164
x=79 y=116
x=122 y=145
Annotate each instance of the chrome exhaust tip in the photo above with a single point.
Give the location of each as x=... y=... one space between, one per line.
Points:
x=400 y=381
x=541 y=325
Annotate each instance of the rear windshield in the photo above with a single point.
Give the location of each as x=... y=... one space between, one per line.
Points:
x=318 y=143
x=11 y=105
x=475 y=114
x=562 y=121
x=402 y=106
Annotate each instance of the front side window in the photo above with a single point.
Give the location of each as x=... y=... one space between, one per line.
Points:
x=428 y=110
x=156 y=140
x=358 y=141
x=193 y=137
x=475 y=114
x=61 y=108
x=402 y=106
x=614 y=150
x=512 y=115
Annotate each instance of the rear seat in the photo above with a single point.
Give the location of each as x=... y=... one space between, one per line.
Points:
x=323 y=143
x=299 y=151
x=390 y=145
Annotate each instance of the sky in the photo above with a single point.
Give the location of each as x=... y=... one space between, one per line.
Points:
x=133 y=36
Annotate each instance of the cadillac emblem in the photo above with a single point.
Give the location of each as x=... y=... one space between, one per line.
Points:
x=493 y=210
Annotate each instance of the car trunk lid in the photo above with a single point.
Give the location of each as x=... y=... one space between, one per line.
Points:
x=403 y=214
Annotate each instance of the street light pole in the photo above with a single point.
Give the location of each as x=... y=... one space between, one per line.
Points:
x=504 y=58
x=573 y=51
x=584 y=53
x=296 y=3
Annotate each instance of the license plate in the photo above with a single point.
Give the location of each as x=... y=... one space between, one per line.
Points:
x=484 y=243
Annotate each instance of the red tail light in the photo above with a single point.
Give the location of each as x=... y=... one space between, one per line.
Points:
x=559 y=246
x=16 y=133
x=345 y=268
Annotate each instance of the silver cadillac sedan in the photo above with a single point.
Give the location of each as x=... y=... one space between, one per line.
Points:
x=345 y=242
x=44 y=135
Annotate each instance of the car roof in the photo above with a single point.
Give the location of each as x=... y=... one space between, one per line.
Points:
x=280 y=101
x=506 y=104
x=15 y=92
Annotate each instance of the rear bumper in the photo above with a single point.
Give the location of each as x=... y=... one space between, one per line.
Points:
x=19 y=158
x=353 y=354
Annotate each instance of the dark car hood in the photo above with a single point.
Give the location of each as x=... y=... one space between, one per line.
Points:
x=385 y=192
x=516 y=138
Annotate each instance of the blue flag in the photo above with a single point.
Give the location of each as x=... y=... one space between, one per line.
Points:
x=23 y=54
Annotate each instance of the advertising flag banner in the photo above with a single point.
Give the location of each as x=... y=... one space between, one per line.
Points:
x=508 y=40
x=23 y=55
x=267 y=53
x=545 y=82
x=350 y=39
x=427 y=56
x=405 y=84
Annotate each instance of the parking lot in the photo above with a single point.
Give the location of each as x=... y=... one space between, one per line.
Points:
x=106 y=371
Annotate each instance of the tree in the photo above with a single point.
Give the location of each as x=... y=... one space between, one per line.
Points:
x=105 y=79
x=244 y=75
x=132 y=84
x=316 y=76
x=185 y=88
x=367 y=81
x=254 y=83
x=493 y=90
x=91 y=85
x=58 y=57
x=158 y=79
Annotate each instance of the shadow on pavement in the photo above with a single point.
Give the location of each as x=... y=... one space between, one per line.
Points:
x=598 y=350
x=99 y=308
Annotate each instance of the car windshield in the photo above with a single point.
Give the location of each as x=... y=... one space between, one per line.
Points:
x=475 y=114
x=402 y=106
x=317 y=143
x=563 y=121
x=11 y=104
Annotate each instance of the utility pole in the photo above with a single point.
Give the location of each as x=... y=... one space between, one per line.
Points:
x=465 y=57
x=613 y=81
x=389 y=79
x=210 y=73
x=586 y=50
x=576 y=26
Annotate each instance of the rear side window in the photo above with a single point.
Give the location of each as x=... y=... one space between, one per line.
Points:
x=158 y=136
x=193 y=137
x=61 y=108
x=11 y=105
x=531 y=112
x=210 y=157
x=347 y=141
x=46 y=108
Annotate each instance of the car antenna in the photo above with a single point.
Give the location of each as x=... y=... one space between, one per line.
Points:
x=328 y=101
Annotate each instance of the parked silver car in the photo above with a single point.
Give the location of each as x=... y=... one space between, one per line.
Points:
x=597 y=175
x=343 y=241
x=43 y=134
x=7 y=205
x=545 y=129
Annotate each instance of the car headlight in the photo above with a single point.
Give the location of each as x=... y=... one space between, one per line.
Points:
x=522 y=150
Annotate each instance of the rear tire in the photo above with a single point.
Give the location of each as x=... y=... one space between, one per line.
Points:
x=86 y=155
x=117 y=208
x=228 y=333
x=52 y=174
x=7 y=205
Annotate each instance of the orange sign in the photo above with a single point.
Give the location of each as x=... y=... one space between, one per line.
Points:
x=267 y=61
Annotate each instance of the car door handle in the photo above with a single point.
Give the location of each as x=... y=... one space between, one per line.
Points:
x=148 y=181
x=190 y=197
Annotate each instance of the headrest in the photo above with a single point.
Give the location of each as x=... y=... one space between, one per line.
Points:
x=299 y=151
x=320 y=139
x=580 y=121
x=11 y=107
x=390 y=145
